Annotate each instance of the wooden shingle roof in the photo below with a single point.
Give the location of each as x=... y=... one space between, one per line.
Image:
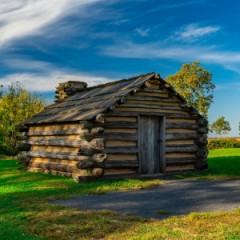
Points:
x=87 y=104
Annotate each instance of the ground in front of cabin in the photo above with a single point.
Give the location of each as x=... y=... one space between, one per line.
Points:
x=26 y=211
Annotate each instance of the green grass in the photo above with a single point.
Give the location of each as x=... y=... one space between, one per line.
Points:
x=26 y=213
x=222 y=164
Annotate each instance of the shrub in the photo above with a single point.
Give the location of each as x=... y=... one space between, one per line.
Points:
x=215 y=143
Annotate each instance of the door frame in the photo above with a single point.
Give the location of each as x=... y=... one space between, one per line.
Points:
x=162 y=142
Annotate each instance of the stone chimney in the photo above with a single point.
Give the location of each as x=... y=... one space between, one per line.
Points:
x=66 y=89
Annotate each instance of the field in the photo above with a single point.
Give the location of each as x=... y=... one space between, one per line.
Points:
x=25 y=211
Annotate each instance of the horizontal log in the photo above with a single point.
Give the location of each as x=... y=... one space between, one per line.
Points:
x=23 y=159
x=122 y=150
x=119 y=136
x=97 y=130
x=97 y=143
x=86 y=124
x=57 y=155
x=181 y=148
x=108 y=164
x=151 y=106
x=23 y=147
x=85 y=164
x=180 y=136
x=99 y=157
x=151 y=85
x=120 y=124
x=180 y=125
x=22 y=137
x=52 y=166
x=180 y=161
x=202 y=121
x=202 y=130
x=100 y=118
x=155 y=99
x=22 y=128
x=88 y=151
x=97 y=172
x=60 y=132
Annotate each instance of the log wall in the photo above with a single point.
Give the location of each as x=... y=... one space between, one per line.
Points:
x=109 y=144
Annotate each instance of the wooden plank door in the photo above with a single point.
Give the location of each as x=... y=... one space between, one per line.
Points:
x=150 y=144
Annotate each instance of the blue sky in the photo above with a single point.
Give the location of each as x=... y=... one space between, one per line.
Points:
x=46 y=42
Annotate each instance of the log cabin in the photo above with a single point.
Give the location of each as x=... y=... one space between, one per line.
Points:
x=137 y=126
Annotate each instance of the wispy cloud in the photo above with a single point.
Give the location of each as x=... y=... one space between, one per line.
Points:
x=29 y=17
x=47 y=82
x=180 y=53
x=193 y=32
x=175 y=5
x=143 y=32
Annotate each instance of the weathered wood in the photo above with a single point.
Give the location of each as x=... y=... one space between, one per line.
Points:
x=202 y=121
x=148 y=84
x=100 y=118
x=97 y=143
x=181 y=148
x=86 y=124
x=121 y=143
x=149 y=144
x=122 y=150
x=62 y=132
x=119 y=136
x=53 y=166
x=97 y=130
x=88 y=151
x=119 y=124
x=22 y=128
x=22 y=137
x=146 y=105
x=99 y=157
x=202 y=130
x=111 y=119
x=121 y=157
x=97 y=172
x=180 y=161
x=23 y=159
x=181 y=125
x=180 y=136
x=164 y=99
x=59 y=155
x=85 y=164
x=23 y=147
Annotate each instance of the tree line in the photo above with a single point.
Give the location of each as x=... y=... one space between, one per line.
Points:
x=16 y=105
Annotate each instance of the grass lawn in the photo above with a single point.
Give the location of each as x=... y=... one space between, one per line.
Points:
x=222 y=164
x=25 y=211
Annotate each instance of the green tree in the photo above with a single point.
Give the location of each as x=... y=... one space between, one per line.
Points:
x=16 y=105
x=239 y=127
x=220 y=127
x=194 y=83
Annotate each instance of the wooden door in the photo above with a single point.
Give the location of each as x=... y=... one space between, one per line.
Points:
x=151 y=144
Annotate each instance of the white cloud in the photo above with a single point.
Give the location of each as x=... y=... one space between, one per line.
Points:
x=20 y=18
x=193 y=32
x=159 y=50
x=143 y=32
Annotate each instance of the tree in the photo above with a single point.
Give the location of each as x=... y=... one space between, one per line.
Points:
x=239 y=127
x=16 y=106
x=220 y=127
x=194 y=83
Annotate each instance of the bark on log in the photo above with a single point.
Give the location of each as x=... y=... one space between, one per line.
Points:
x=22 y=128
x=86 y=125
x=22 y=137
x=97 y=130
x=57 y=155
x=100 y=118
x=99 y=157
x=88 y=151
x=85 y=164
x=23 y=159
x=97 y=172
x=23 y=147
x=52 y=166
